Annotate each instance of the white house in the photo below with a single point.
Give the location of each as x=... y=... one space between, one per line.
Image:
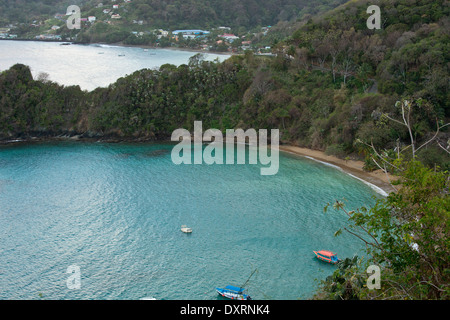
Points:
x=164 y=33
x=161 y=33
x=229 y=37
x=91 y=19
x=191 y=34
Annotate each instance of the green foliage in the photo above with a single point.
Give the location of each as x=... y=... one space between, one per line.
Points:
x=27 y=11
x=177 y=14
x=345 y=283
x=28 y=106
x=406 y=234
x=408 y=56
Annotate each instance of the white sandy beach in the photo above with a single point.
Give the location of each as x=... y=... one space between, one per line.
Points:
x=353 y=167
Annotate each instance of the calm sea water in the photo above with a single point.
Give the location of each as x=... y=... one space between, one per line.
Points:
x=115 y=210
x=89 y=66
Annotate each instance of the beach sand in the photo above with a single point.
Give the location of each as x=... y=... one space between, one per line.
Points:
x=353 y=167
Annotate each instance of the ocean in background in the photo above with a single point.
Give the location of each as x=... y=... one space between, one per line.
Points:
x=115 y=211
x=89 y=66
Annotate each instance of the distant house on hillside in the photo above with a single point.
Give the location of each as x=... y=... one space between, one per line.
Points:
x=91 y=19
x=229 y=37
x=266 y=29
x=246 y=45
x=60 y=16
x=116 y=16
x=115 y=6
x=191 y=32
x=49 y=37
x=162 y=33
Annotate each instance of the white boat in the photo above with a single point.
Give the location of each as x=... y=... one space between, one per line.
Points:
x=186 y=229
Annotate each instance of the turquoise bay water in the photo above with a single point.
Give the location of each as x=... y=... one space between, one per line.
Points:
x=115 y=210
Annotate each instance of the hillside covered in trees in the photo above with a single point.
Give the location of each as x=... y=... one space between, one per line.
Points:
x=327 y=88
x=149 y=22
x=175 y=13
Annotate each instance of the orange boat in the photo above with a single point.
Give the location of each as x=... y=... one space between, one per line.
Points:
x=327 y=256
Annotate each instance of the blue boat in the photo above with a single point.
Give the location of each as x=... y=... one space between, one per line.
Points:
x=234 y=293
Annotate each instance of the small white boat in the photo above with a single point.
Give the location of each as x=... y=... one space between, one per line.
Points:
x=186 y=229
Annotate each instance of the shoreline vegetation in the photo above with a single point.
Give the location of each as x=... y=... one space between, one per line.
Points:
x=121 y=44
x=377 y=178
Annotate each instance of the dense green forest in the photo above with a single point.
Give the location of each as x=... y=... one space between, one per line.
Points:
x=176 y=13
x=327 y=88
x=21 y=11
x=28 y=20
